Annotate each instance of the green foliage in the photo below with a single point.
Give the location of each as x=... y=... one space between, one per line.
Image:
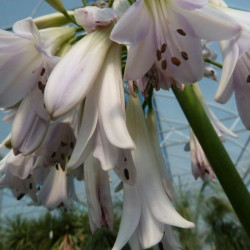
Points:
x=216 y=224
x=62 y=231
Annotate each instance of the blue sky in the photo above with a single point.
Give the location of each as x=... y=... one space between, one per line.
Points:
x=14 y=10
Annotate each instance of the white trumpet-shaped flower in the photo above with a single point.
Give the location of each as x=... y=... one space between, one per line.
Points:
x=167 y=34
x=25 y=58
x=57 y=190
x=103 y=130
x=236 y=53
x=146 y=207
x=75 y=74
x=15 y=174
x=100 y=208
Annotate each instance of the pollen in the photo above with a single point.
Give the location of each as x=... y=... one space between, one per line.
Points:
x=158 y=55
x=63 y=144
x=175 y=61
x=184 y=55
x=181 y=32
x=248 y=78
x=42 y=72
x=163 y=47
x=53 y=155
x=126 y=173
x=164 y=64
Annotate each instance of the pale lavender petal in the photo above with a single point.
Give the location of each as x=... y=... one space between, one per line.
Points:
x=130 y=29
x=120 y=7
x=130 y=216
x=190 y=4
x=91 y=172
x=104 y=150
x=241 y=82
x=20 y=166
x=29 y=128
x=54 y=190
x=19 y=72
x=146 y=169
x=150 y=230
x=27 y=29
x=75 y=74
x=92 y=18
x=111 y=101
x=53 y=38
x=85 y=141
x=141 y=57
x=230 y=53
x=125 y=168
x=205 y=20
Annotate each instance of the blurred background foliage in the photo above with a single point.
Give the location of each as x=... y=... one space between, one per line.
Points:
x=216 y=227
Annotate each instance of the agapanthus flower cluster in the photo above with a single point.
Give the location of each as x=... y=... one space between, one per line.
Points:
x=64 y=89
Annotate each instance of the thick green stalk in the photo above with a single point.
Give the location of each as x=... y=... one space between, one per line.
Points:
x=217 y=156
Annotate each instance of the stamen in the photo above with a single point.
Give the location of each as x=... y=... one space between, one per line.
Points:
x=158 y=55
x=164 y=64
x=40 y=85
x=248 y=78
x=184 y=55
x=175 y=61
x=53 y=155
x=126 y=173
x=62 y=156
x=20 y=196
x=181 y=32
x=163 y=47
x=42 y=72
x=63 y=144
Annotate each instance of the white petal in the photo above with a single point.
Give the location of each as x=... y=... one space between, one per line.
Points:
x=230 y=53
x=150 y=230
x=191 y=4
x=242 y=88
x=205 y=20
x=75 y=74
x=92 y=18
x=27 y=29
x=120 y=7
x=53 y=38
x=141 y=57
x=54 y=190
x=85 y=141
x=148 y=177
x=130 y=216
x=130 y=29
x=111 y=102
x=104 y=150
x=125 y=167
x=29 y=129
x=20 y=166
x=19 y=73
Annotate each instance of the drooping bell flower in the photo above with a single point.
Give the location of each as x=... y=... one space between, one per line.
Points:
x=100 y=208
x=26 y=56
x=167 y=34
x=235 y=52
x=146 y=206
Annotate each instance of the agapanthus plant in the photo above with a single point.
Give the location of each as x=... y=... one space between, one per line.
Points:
x=64 y=87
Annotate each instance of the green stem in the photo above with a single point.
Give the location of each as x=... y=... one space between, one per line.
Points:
x=84 y=2
x=217 y=156
x=213 y=63
x=110 y=3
